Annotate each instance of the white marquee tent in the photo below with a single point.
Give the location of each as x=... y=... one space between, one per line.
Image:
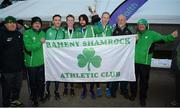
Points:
x=156 y=11
x=47 y=8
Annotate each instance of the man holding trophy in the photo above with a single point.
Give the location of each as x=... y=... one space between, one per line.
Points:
x=101 y=29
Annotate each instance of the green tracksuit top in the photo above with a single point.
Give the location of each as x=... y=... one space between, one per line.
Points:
x=68 y=35
x=34 y=50
x=100 y=31
x=146 y=39
x=88 y=33
x=54 y=34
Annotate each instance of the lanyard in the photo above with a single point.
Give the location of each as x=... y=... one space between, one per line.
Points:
x=84 y=34
x=92 y=30
x=104 y=31
x=70 y=34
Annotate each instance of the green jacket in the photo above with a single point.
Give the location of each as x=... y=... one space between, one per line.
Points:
x=143 y=55
x=54 y=34
x=34 y=50
x=100 y=31
x=75 y=34
x=88 y=33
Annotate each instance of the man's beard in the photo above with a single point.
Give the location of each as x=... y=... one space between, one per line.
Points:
x=120 y=25
x=83 y=25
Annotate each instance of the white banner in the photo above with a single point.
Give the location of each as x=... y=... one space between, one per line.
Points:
x=99 y=59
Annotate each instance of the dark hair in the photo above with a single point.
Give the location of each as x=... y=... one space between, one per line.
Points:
x=56 y=15
x=21 y=22
x=105 y=13
x=84 y=17
x=70 y=16
x=36 y=19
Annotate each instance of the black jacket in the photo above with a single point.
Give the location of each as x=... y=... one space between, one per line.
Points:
x=175 y=44
x=11 y=51
x=118 y=31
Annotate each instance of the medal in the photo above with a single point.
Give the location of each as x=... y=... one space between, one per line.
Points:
x=70 y=34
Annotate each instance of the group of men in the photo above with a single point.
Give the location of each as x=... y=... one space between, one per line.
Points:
x=19 y=51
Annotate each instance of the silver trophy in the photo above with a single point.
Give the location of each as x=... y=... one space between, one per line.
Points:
x=92 y=9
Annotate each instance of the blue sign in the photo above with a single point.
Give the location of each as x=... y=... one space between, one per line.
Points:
x=127 y=8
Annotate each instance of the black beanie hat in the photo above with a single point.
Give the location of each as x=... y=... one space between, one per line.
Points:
x=21 y=22
x=36 y=19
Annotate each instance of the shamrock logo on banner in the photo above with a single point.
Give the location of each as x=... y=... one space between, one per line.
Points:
x=88 y=57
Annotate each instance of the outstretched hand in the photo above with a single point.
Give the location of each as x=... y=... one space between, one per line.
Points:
x=175 y=34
